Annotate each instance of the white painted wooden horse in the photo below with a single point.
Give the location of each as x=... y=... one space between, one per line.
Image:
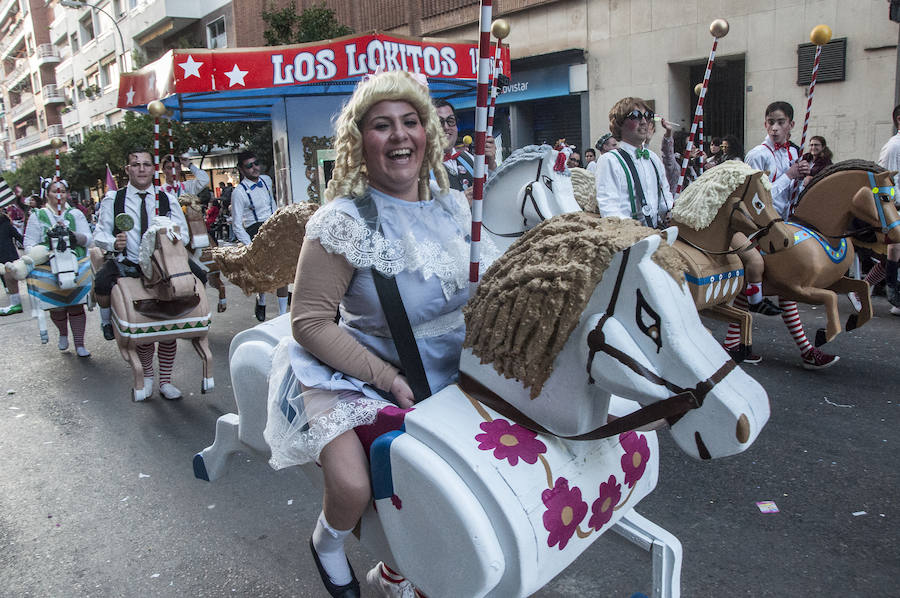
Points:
x=513 y=507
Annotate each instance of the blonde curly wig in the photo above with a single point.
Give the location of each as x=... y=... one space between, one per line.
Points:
x=349 y=176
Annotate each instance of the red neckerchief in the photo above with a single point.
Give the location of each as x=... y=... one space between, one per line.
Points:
x=448 y=156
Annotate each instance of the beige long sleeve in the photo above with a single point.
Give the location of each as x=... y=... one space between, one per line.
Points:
x=322 y=280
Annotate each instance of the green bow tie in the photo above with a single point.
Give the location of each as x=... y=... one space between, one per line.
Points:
x=642 y=153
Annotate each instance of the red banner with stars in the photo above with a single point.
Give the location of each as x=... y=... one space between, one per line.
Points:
x=191 y=71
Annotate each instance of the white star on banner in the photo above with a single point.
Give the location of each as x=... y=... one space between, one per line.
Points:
x=191 y=67
x=129 y=96
x=236 y=76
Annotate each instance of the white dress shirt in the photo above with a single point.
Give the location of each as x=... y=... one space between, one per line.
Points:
x=776 y=163
x=36 y=230
x=192 y=187
x=612 y=185
x=890 y=156
x=242 y=210
x=103 y=234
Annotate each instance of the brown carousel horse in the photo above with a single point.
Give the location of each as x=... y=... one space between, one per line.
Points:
x=202 y=244
x=813 y=269
x=730 y=198
x=166 y=303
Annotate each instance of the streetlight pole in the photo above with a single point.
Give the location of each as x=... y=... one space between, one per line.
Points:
x=81 y=4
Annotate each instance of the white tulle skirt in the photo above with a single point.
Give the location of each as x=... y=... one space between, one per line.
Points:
x=303 y=419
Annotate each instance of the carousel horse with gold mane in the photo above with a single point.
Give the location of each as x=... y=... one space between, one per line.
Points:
x=166 y=303
x=202 y=243
x=578 y=337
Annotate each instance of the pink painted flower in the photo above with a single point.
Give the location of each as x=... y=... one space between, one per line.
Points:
x=637 y=453
x=510 y=441
x=565 y=510
x=602 y=509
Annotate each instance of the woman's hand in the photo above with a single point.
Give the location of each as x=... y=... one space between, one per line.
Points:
x=402 y=392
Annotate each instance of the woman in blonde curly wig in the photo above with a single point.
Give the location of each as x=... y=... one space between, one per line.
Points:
x=383 y=218
x=349 y=177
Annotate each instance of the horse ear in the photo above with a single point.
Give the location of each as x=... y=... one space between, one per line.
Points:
x=670 y=234
x=645 y=247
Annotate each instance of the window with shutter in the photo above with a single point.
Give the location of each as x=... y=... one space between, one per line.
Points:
x=832 y=62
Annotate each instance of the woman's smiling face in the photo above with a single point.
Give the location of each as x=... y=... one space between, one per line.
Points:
x=394 y=143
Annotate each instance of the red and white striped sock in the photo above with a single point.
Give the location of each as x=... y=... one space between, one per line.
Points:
x=77 y=321
x=59 y=319
x=791 y=317
x=876 y=274
x=145 y=354
x=166 y=355
x=733 y=336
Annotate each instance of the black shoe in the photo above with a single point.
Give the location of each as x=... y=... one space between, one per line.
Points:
x=765 y=308
x=350 y=590
x=260 y=312
x=107 y=332
x=893 y=294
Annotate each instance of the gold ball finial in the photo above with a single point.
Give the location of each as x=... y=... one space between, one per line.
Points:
x=820 y=35
x=698 y=88
x=156 y=108
x=56 y=143
x=500 y=29
x=719 y=28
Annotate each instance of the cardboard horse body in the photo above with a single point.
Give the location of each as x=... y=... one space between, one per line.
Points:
x=514 y=507
x=166 y=303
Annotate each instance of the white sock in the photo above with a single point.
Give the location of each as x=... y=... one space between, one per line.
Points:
x=14 y=299
x=260 y=299
x=329 y=544
x=104 y=315
x=754 y=293
x=282 y=305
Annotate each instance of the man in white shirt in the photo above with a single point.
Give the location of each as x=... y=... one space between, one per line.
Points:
x=631 y=180
x=252 y=203
x=890 y=159
x=459 y=163
x=141 y=200
x=172 y=178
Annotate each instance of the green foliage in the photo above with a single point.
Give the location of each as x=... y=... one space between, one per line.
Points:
x=315 y=23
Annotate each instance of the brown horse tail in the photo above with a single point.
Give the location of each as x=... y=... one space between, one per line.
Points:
x=270 y=261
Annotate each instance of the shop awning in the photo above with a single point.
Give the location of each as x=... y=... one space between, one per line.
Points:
x=239 y=84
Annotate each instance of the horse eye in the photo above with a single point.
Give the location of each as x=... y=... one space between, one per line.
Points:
x=758 y=204
x=548 y=182
x=648 y=320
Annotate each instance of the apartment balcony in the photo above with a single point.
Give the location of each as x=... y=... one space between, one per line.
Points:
x=48 y=54
x=23 y=144
x=14 y=76
x=56 y=131
x=51 y=94
x=16 y=37
x=70 y=119
x=23 y=108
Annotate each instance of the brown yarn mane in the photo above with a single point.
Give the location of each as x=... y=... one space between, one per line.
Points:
x=853 y=164
x=532 y=298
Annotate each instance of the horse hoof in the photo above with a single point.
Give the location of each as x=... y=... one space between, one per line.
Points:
x=200 y=468
x=207 y=385
x=821 y=339
x=851 y=322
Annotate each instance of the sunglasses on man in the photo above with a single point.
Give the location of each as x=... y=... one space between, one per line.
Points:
x=250 y=165
x=638 y=115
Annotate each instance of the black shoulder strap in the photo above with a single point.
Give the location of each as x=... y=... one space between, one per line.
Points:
x=395 y=314
x=118 y=208
x=638 y=189
x=163 y=206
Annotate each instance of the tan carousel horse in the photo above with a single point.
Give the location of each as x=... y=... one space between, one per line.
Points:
x=166 y=303
x=813 y=269
x=733 y=197
x=202 y=244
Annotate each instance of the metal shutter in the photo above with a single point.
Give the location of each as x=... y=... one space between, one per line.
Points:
x=832 y=62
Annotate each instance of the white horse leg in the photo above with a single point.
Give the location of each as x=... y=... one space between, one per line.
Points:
x=665 y=550
x=209 y=464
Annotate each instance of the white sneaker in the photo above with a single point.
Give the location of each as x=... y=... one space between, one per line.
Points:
x=169 y=391
x=383 y=583
x=144 y=393
x=895 y=311
x=63 y=343
x=82 y=352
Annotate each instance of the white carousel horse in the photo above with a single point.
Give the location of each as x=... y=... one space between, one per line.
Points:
x=524 y=191
x=512 y=506
x=166 y=303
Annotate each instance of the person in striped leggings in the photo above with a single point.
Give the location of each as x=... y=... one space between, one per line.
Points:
x=889 y=157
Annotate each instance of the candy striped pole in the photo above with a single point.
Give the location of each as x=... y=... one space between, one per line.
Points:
x=56 y=143
x=495 y=74
x=156 y=109
x=481 y=109
x=700 y=145
x=173 y=179
x=718 y=28
x=820 y=35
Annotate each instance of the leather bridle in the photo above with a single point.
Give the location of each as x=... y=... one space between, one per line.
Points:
x=527 y=197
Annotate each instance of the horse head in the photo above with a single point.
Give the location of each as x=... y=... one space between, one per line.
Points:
x=164 y=262
x=524 y=191
x=875 y=203
x=551 y=325
x=193 y=213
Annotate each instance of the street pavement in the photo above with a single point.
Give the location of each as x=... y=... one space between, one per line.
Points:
x=98 y=497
